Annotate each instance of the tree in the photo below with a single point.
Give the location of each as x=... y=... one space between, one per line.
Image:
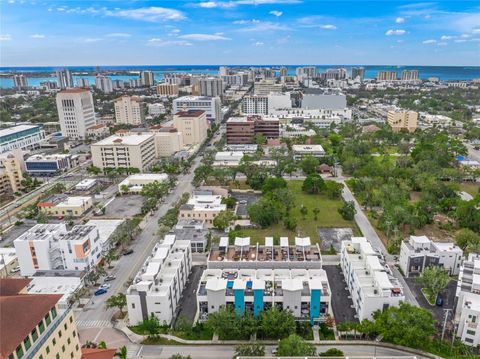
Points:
x=348 y=211
x=316 y=211
x=272 y=183
x=290 y=223
x=276 y=324
x=93 y=170
x=434 y=279
x=313 y=184
x=332 y=352
x=466 y=237
x=230 y=202
x=283 y=196
x=223 y=220
x=121 y=353
x=265 y=212
x=222 y=322
x=309 y=164
x=124 y=189
x=406 y=325
x=303 y=211
x=249 y=350
x=117 y=301
x=151 y=326
x=333 y=189
x=295 y=346
x=178 y=356
x=259 y=139
x=102 y=345
x=155 y=190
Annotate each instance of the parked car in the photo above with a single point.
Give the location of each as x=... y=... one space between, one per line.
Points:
x=128 y=252
x=439 y=301
x=15 y=270
x=105 y=286
x=100 y=291
x=109 y=278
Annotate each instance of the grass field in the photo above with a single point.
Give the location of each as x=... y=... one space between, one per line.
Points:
x=472 y=188
x=328 y=217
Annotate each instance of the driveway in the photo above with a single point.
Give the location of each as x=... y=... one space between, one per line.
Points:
x=187 y=308
x=341 y=304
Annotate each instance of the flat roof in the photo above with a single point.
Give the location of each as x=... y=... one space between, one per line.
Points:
x=190 y=113
x=14 y=129
x=129 y=140
x=315 y=148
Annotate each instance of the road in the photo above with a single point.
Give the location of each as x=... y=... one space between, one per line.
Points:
x=473 y=153
x=227 y=351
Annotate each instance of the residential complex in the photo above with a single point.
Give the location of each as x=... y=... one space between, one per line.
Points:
x=420 y=252
x=467 y=311
x=23 y=137
x=202 y=205
x=265 y=87
x=104 y=84
x=129 y=110
x=20 y=81
x=51 y=247
x=11 y=168
x=76 y=112
x=409 y=75
x=33 y=325
x=62 y=205
x=194 y=231
x=242 y=130
x=44 y=165
x=265 y=104
x=193 y=126
x=211 y=105
x=387 y=76
x=137 y=151
x=64 y=79
x=210 y=86
x=157 y=287
x=402 y=120
x=368 y=278
x=147 y=78
x=166 y=89
x=136 y=182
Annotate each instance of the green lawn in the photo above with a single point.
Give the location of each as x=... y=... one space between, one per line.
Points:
x=472 y=188
x=328 y=217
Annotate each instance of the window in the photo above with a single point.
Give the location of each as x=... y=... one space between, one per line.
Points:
x=27 y=343
x=133 y=305
x=65 y=326
x=34 y=334
x=74 y=333
x=47 y=319
x=471 y=332
x=71 y=319
x=47 y=349
x=54 y=313
x=59 y=333
x=57 y=356
x=63 y=348
x=19 y=351
x=54 y=341
x=40 y=357
x=76 y=347
x=69 y=341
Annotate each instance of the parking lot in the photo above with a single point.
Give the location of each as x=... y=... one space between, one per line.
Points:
x=15 y=232
x=341 y=303
x=123 y=206
x=188 y=302
x=243 y=200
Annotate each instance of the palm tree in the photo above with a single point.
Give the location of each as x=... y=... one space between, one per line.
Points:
x=316 y=211
x=122 y=353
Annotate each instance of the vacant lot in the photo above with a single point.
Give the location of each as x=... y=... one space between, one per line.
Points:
x=472 y=188
x=328 y=217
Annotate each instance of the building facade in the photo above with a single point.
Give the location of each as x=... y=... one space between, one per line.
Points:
x=23 y=137
x=136 y=182
x=64 y=79
x=242 y=130
x=129 y=110
x=42 y=164
x=166 y=89
x=76 y=112
x=193 y=126
x=62 y=205
x=212 y=106
x=387 y=76
x=210 y=86
x=104 y=84
x=402 y=120
x=202 y=205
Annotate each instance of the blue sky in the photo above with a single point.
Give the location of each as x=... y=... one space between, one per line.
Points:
x=43 y=33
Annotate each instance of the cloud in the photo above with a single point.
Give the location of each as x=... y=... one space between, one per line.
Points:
x=5 y=37
x=431 y=41
x=150 y=14
x=159 y=42
x=476 y=31
x=232 y=4
x=400 y=20
x=328 y=27
x=395 y=32
x=204 y=37
x=92 y=39
x=260 y=26
x=444 y=38
x=244 y=22
x=441 y=44
x=118 y=34
x=460 y=40
x=276 y=13
x=37 y=36
x=258 y=44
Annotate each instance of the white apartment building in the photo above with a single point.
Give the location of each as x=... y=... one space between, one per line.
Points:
x=104 y=83
x=23 y=137
x=157 y=287
x=420 y=252
x=266 y=104
x=147 y=78
x=369 y=280
x=300 y=151
x=210 y=86
x=76 y=112
x=136 y=182
x=47 y=247
x=265 y=87
x=467 y=311
x=202 y=205
x=136 y=151
x=156 y=109
x=129 y=110
x=303 y=292
x=409 y=75
x=193 y=125
x=211 y=105
x=239 y=79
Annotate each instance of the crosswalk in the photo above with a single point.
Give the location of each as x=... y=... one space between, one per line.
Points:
x=83 y=324
x=132 y=350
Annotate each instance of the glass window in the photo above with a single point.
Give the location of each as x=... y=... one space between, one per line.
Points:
x=19 y=351
x=47 y=319
x=34 y=334
x=47 y=349
x=63 y=348
x=27 y=343
x=54 y=312
x=57 y=356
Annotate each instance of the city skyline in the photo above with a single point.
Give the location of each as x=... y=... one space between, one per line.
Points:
x=442 y=33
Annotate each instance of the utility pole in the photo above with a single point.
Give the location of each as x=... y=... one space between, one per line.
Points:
x=447 y=312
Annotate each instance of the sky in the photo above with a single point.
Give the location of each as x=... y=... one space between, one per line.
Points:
x=107 y=32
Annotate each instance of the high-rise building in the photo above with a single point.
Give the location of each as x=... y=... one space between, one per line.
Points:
x=283 y=71
x=20 y=81
x=11 y=167
x=147 y=78
x=223 y=71
x=401 y=119
x=316 y=99
x=358 y=72
x=210 y=86
x=35 y=325
x=193 y=125
x=264 y=105
x=133 y=83
x=387 y=76
x=264 y=87
x=335 y=74
x=409 y=75
x=129 y=110
x=211 y=105
x=242 y=130
x=64 y=79
x=84 y=83
x=104 y=83
x=166 y=89
x=76 y=112
x=118 y=84
x=238 y=79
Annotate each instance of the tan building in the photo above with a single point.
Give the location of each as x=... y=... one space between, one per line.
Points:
x=136 y=151
x=33 y=325
x=203 y=205
x=98 y=131
x=75 y=112
x=193 y=125
x=129 y=110
x=165 y=89
x=8 y=261
x=11 y=167
x=62 y=205
x=168 y=141
x=400 y=119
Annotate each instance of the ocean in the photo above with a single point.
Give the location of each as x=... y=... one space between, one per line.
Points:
x=442 y=72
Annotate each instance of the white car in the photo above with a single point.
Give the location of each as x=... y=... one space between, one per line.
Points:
x=105 y=286
x=15 y=270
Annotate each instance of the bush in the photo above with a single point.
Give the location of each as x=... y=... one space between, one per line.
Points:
x=348 y=211
x=332 y=352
